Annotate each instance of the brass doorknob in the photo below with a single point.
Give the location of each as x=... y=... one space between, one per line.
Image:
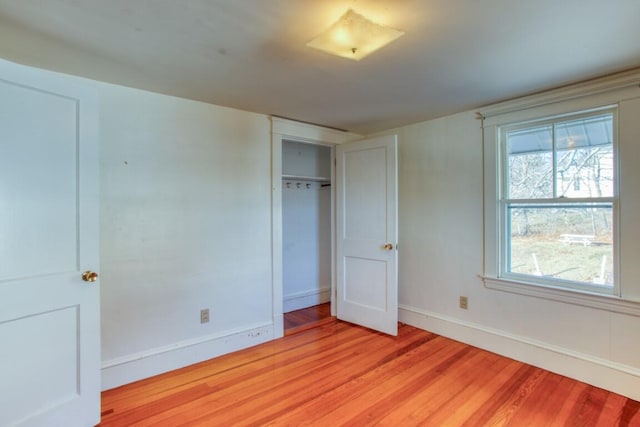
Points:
x=89 y=276
x=388 y=247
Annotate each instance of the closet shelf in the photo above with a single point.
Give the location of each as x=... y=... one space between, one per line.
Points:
x=306 y=178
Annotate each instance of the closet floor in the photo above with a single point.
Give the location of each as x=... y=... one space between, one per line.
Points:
x=307 y=318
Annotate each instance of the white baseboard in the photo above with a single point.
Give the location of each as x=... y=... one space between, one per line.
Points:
x=278 y=325
x=134 y=367
x=306 y=299
x=612 y=376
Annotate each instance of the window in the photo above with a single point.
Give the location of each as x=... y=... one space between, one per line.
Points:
x=558 y=201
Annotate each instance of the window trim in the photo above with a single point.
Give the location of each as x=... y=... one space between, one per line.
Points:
x=580 y=297
x=503 y=201
x=620 y=89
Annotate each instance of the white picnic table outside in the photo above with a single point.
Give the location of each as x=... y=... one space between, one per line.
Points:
x=584 y=239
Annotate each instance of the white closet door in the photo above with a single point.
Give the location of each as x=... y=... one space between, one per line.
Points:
x=367 y=233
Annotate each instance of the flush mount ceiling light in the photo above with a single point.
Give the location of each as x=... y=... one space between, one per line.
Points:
x=354 y=36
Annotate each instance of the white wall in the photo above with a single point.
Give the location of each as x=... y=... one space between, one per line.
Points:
x=185 y=225
x=309 y=160
x=441 y=256
x=306 y=226
x=306 y=244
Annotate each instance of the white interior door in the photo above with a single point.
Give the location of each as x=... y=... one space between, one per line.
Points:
x=366 y=207
x=49 y=316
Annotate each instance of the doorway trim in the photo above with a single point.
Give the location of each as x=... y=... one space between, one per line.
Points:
x=289 y=130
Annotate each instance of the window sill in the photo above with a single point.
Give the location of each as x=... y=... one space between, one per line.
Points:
x=575 y=297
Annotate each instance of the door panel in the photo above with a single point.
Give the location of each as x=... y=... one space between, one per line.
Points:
x=46 y=346
x=365 y=282
x=367 y=201
x=367 y=221
x=49 y=317
x=38 y=183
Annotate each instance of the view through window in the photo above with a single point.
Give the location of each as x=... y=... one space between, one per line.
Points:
x=558 y=201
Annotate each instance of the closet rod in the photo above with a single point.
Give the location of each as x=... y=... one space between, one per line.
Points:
x=306 y=178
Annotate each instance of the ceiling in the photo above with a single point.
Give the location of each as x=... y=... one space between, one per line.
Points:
x=250 y=54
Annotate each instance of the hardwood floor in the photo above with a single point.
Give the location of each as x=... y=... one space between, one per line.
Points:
x=307 y=318
x=341 y=374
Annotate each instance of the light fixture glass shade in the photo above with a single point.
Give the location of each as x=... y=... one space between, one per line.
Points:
x=353 y=36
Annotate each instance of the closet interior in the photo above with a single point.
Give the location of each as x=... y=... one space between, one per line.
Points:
x=306 y=225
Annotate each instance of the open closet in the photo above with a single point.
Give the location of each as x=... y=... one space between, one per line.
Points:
x=306 y=224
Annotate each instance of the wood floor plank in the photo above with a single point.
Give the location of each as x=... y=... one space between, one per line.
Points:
x=306 y=318
x=287 y=373
x=380 y=399
x=149 y=390
x=340 y=374
x=302 y=387
x=244 y=376
x=328 y=407
x=612 y=415
x=588 y=406
x=542 y=406
x=482 y=384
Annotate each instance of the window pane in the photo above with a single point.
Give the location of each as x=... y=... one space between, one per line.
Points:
x=530 y=163
x=585 y=157
x=567 y=242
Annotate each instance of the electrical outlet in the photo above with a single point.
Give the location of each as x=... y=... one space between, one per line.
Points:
x=204 y=315
x=464 y=302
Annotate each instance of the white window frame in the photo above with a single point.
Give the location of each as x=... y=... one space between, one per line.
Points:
x=504 y=202
x=622 y=90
